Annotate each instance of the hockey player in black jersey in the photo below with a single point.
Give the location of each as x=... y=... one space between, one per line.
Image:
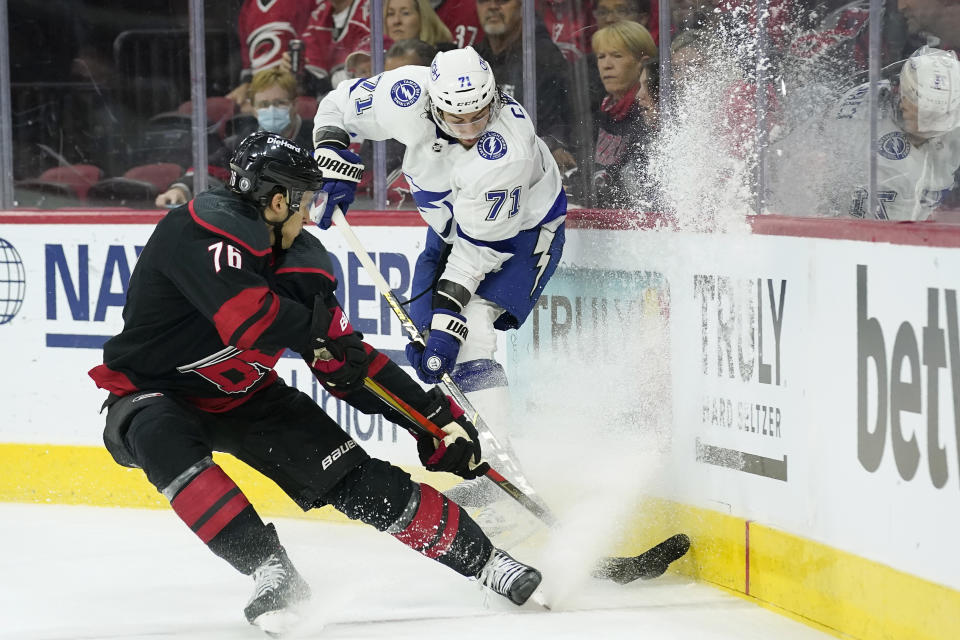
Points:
x=224 y=285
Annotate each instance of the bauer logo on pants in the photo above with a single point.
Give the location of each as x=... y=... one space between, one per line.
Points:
x=337 y=453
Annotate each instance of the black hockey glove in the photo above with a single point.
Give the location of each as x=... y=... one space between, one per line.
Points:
x=459 y=451
x=339 y=357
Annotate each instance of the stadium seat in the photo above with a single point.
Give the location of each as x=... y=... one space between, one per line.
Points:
x=123 y=192
x=219 y=110
x=159 y=174
x=75 y=178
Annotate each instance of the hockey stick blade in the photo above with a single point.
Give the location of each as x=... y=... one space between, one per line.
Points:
x=652 y=563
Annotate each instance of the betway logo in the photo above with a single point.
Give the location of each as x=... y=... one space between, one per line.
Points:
x=901 y=388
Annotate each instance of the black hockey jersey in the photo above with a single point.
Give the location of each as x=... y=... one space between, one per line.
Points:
x=208 y=312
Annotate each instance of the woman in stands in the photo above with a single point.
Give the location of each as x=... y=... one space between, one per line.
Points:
x=406 y=19
x=623 y=136
x=273 y=95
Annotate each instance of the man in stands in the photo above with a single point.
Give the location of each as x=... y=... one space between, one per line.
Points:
x=502 y=47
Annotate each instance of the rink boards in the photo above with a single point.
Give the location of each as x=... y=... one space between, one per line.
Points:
x=812 y=369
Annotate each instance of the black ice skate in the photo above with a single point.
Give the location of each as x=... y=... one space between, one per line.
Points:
x=277 y=591
x=509 y=578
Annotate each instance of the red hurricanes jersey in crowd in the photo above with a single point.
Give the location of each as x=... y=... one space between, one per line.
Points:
x=461 y=18
x=326 y=46
x=569 y=25
x=265 y=27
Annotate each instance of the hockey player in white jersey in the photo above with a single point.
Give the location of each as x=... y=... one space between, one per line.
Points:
x=918 y=145
x=491 y=194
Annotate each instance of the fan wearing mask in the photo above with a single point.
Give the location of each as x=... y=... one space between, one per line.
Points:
x=272 y=97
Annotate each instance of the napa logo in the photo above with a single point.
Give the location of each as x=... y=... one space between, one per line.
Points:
x=894 y=146
x=405 y=92
x=491 y=146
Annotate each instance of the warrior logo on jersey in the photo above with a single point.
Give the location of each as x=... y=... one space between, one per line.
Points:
x=894 y=146
x=405 y=92
x=491 y=146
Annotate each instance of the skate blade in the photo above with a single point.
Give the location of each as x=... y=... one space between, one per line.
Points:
x=538 y=598
x=277 y=623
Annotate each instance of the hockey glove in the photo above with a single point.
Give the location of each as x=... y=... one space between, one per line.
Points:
x=339 y=358
x=448 y=330
x=459 y=451
x=342 y=169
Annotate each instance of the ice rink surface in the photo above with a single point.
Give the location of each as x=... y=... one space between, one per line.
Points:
x=84 y=573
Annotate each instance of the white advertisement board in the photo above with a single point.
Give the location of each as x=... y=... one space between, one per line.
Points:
x=813 y=381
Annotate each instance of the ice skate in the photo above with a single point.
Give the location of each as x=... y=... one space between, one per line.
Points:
x=511 y=579
x=278 y=591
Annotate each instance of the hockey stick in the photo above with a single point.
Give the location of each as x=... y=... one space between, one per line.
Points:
x=622 y=570
x=650 y=564
x=504 y=460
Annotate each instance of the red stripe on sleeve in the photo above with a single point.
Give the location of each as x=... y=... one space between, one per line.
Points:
x=256 y=330
x=222 y=517
x=204 y=490
x=237 y=310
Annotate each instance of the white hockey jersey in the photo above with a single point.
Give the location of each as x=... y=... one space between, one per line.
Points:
x=476 y=199
x=912 y=179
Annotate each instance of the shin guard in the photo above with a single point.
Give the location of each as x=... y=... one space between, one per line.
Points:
x=437 y=527
x=215 y=509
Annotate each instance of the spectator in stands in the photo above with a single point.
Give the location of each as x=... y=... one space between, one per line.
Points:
x=938 y=18
x=568 y=22
x=606 y=13
x=502 y=47
x=623 y=137
x=412 y=51
x=273 y=96
x=334 y=31
x=406 y=19
x=461 y=18
x=265 y=30
x=688 y=52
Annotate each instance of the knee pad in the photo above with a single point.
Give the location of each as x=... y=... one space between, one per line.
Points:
x=374 y=492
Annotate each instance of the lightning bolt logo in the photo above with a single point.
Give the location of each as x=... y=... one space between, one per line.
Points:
x=544 y=240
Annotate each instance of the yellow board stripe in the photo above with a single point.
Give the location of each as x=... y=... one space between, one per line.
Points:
x=806 y=580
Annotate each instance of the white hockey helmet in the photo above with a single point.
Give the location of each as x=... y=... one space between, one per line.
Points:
x=461 y=82
x=930 y=80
